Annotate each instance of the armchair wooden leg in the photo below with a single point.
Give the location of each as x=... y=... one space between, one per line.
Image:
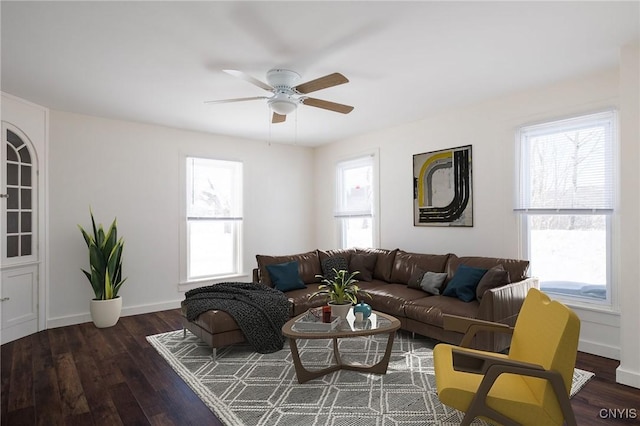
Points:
x=478 y=406
x=563 y=399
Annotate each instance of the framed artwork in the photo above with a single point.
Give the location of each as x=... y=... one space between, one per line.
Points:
x=442 y=188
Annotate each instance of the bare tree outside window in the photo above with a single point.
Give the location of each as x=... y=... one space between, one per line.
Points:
x=566 y=178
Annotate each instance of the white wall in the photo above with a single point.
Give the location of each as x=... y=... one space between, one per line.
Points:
x=629 y=371
x=490 y=128
x=131 y=171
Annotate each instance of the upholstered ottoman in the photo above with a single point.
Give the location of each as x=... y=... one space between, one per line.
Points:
x=217 y=328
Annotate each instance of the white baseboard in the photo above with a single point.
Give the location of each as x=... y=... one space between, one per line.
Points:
x=18 y=331
x=126 y=311
x=145 y=309
x=599 y=349
x=629 y=378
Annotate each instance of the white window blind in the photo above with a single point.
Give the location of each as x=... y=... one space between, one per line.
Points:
x=354 y=192
x=214 y=189
x=214 y=218
x=566 y=166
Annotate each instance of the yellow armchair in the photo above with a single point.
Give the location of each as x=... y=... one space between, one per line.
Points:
x=530 y=385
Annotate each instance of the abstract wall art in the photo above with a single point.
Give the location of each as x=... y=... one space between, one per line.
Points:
x=442 y=188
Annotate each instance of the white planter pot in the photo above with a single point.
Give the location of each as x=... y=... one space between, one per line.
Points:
x=340 y=310
x=105 y=313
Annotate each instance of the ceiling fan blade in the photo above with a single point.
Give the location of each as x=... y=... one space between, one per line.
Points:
x=278 y=118
x=322 y=83
x=331 y=106
x=246 y=77
x=226 y=101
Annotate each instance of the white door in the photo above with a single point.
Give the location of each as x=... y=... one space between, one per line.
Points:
x=19 y=262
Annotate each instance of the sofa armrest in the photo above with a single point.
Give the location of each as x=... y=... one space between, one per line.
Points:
x=502 y=304
x=469 y=327
x=255 y=275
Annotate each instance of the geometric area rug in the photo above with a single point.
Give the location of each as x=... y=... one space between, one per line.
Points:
x=245 y=388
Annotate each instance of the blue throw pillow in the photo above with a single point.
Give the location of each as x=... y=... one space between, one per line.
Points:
x=464 y=282
x=285 y=276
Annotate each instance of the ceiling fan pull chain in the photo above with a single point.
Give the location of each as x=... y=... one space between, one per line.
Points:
x=270 y=122
x=295 y=130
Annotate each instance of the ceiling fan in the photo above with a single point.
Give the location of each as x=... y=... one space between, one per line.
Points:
x=287 y=94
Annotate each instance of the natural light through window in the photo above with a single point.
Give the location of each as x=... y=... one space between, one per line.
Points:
x=354 y=202
x=214 y=217
x=566 y=190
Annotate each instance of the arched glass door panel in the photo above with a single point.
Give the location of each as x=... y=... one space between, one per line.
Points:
x=19 y=236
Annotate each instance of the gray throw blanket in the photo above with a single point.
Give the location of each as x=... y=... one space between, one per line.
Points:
x=260 y=311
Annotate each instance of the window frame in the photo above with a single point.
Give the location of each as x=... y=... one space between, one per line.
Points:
x=237 y=220
x=340 y=215
x=33 y=199
x=524 y=214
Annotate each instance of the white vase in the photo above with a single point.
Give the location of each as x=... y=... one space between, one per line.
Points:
x=105 y=313
x=340 y=310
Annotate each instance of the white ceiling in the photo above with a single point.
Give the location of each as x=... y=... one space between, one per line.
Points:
x=157 y=62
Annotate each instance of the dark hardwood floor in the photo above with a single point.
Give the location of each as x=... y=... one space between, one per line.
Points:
x=81 y=375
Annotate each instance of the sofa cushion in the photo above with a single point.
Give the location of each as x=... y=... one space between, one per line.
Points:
x=406 y=263
x=285 y=276
x=429 y=309
x=300 y=301
x=331 y=265
x=517 y=268
x=346 y=253
x=391 y=298
x=416 y=278
x=308 y=266
x=214 y=321
x=495 y=277
x=364 y=264
x=464 y=283
x=432 y=282
x=384 y=262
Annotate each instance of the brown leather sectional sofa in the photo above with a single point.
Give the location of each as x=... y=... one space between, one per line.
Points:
x=418 y=311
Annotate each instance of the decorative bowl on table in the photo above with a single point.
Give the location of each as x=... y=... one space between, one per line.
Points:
x=364 y=308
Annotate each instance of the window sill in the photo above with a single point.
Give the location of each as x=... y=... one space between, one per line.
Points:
x=604 y=307
x=190 y=285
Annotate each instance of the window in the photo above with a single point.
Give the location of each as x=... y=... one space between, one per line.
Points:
x=20 y=193
x=214 y=218
x=354 y=202
x=565 y=196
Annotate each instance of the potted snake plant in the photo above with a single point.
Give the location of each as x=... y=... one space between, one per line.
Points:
x=105 y=272
x=342 y=290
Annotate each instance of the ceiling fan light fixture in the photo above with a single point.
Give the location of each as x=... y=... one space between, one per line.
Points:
x=282 y=106
x=287 y=94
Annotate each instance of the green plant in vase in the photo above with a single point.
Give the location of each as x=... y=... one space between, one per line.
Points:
x=105 y=270
x=105 y=260
x=342 y=290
